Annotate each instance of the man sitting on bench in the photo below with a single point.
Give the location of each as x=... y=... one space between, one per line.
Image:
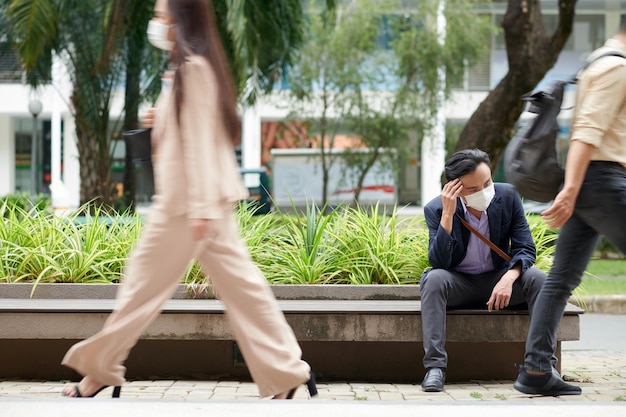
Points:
x=490 y=266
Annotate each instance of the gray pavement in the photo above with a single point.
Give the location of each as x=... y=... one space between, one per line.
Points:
x=600 y=332
x=597 y=363
x=99 y=408
x=600 y=373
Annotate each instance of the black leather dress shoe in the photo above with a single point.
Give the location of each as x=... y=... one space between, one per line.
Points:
x=548 y=384
x=433 y=380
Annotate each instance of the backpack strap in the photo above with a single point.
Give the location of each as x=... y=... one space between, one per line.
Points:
x=589 y=62
x=574 y=79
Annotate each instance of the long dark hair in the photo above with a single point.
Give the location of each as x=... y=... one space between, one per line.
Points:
x=196 y=34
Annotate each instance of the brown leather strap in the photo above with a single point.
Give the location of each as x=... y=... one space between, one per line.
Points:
x=484 y=239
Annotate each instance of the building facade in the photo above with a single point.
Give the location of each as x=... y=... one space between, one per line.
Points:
x=56 y=159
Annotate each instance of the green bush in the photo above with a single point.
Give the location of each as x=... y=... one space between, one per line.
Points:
x=346 y=246
x=35 y=248
x=39 y=204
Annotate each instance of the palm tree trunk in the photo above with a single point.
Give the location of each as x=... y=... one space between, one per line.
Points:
x=131 y=121
x=96 y=187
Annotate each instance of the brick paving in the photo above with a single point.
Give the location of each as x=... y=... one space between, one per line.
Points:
x=600 y=373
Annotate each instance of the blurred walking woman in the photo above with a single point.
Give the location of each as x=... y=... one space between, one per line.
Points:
x=195 y=125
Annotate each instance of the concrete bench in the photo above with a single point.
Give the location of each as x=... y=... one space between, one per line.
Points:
x=345 y=333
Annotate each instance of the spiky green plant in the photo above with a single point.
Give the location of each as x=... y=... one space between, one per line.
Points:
x=47 y=248
x=377 y=248
x=301 y=252
x=545 y=240
x=345 y=246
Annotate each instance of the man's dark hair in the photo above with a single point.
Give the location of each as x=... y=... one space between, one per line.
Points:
x=622 y=25
x=464 y=162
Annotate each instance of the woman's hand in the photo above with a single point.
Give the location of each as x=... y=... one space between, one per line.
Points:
x=147 y=120
x=201 y=229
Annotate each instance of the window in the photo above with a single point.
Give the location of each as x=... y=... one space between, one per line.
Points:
x=10 y=68
x=587 y=34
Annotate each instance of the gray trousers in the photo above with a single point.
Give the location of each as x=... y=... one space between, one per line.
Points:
x=600 y=210
x=442 y=289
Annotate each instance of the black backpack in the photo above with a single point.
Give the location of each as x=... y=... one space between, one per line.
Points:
x=530 y=159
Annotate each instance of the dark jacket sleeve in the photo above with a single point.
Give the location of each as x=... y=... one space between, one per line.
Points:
x=522 y=247
x=508 y=228
x=445 y=250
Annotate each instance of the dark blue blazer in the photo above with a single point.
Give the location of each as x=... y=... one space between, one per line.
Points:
x=508 y=228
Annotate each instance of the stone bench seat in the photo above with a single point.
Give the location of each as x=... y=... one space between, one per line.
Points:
x=318 y=320
x=349 y=339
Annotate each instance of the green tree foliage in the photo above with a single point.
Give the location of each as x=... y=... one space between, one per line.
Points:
x=90 y=37
x=103 y=45
x=372 y=69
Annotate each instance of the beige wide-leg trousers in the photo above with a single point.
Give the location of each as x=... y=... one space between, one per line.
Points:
x=159 y=260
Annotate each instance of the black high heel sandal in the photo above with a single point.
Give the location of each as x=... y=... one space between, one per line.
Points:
x=117 y=390
x=310 y=384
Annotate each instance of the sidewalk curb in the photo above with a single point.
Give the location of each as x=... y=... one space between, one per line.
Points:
x=605 y=304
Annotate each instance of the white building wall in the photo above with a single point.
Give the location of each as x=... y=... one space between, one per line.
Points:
x=251 y=137
x=71 y=166
x=7 y=155
x=14 y=100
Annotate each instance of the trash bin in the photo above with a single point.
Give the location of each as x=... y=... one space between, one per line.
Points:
x=257 y=182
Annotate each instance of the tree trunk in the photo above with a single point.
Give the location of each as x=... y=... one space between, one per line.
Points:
x=326 y=165
x=96 y=187
x=531 y=53
x=131 y=121
x=369 y=163
x=95 y=181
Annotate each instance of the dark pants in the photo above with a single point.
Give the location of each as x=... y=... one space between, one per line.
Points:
x=442 y=289
x=600 y=210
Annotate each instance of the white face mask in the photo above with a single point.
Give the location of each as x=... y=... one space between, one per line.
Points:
x=481 y=199
x=157 y=35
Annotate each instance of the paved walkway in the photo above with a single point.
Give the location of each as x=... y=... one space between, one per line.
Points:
x=597 y=363
x=601 y=374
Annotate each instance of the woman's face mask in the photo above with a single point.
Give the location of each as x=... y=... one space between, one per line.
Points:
x=480 y=200
x=157 y=35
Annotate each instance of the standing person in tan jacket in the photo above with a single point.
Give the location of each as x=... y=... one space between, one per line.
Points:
x=195 y=126
x=591 y=204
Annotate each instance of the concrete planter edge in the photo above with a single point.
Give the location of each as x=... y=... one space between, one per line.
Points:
x=283 y=292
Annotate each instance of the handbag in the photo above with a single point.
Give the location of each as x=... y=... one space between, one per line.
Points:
x=479 y=235
x=139 y=144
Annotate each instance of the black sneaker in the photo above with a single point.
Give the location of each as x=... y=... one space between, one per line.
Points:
x=549 y=384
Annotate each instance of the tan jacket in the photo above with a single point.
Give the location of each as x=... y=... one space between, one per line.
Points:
x=600 y=114
x=195 y=168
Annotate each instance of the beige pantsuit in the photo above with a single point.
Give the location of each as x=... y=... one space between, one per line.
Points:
x=166 y=248
x=161 y=257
